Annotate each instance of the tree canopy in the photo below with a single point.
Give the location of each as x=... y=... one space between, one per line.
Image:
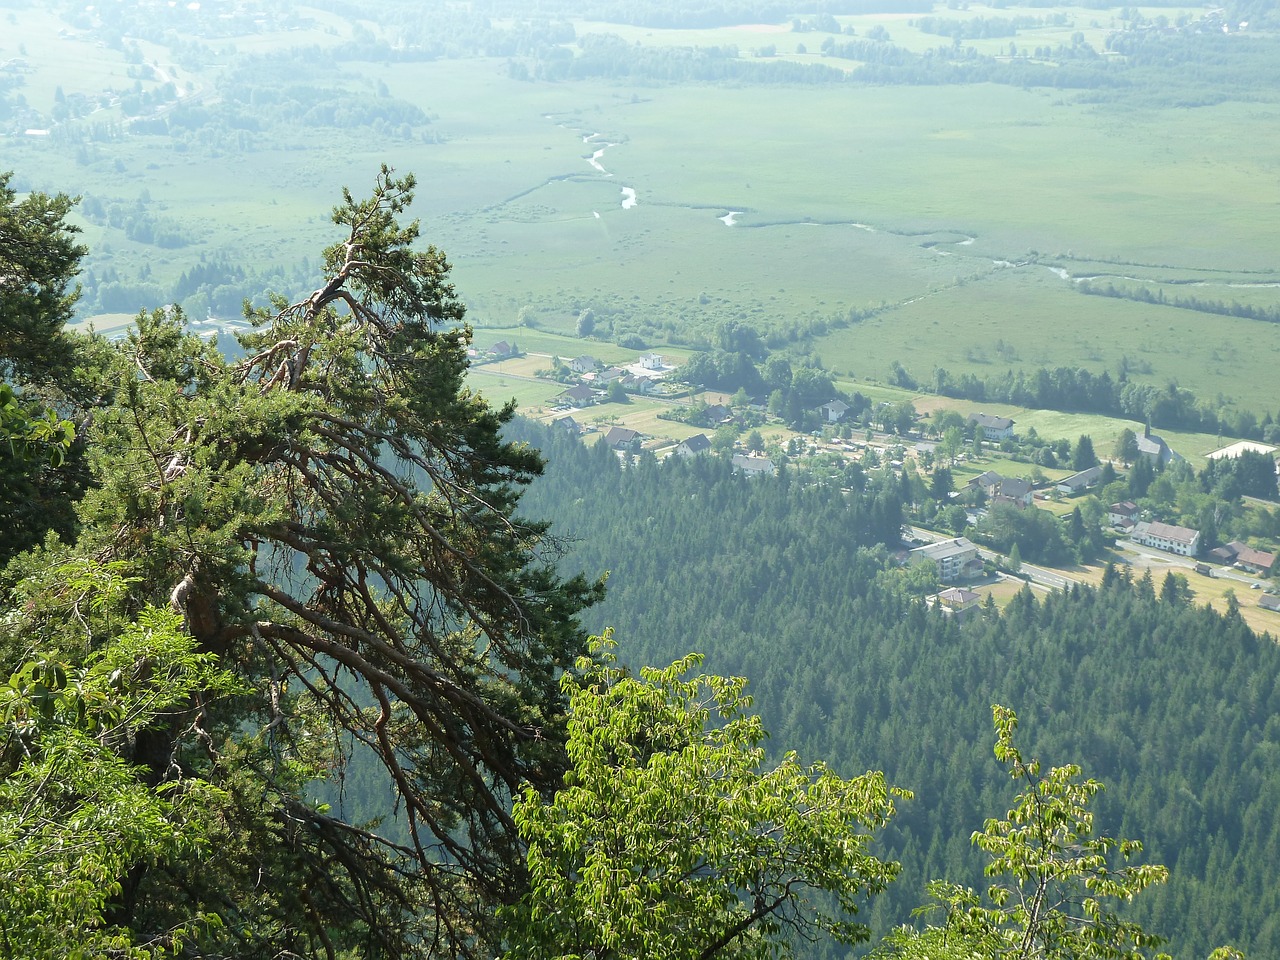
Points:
x=39 y=386
x=671 y=838
x=334 y=518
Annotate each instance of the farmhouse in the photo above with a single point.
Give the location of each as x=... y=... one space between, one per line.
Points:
x=1167 y=536
x=1256 y=561
x=715 y=414
x=583 y=364
x=692 y=446
x=1249 y=559
x=568 y=425
x=1081 y=481
x=1269 y=601
x=1123 y=514
x=500 y=350
x=993 y=427
x=622 y=438
x=1223 y=554
x=987 y=482
x=957 y=559
x=1001 y=489
x=633 y=384
x=1245 y=557
x=753 y=466
x=580 y=395
x=1014 y=490
x=955 y=602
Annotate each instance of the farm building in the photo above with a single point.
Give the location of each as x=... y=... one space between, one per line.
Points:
x=993 y=427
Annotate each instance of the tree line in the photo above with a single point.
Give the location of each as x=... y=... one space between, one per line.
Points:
x=1080 y=390
x=1234 y=308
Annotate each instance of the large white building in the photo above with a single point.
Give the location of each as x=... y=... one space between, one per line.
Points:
x=1167 y=536
x=992 y=427
x=957 y=559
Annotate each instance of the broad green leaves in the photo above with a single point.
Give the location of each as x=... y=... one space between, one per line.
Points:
x=26 y=432
x=1055 y=882
x=75 y=817
x=672 y=838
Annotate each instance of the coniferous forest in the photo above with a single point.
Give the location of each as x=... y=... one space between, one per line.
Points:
x=1172 y=706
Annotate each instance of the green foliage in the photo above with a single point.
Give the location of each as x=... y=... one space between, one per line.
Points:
x=1057 y=878
x=784 y=582
x=25 y=431
x=334 y=518
x=38 y=261
x=74 y=816
x=1082 y=455
x=672 y=838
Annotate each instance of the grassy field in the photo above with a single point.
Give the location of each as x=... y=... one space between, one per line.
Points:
x=1054 y=425
x=909 y=199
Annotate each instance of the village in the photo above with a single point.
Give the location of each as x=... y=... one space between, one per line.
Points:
x=968 y=468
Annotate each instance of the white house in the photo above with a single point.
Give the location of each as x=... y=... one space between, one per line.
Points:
x=834 y=410
x=1123 y=514
x=1167 y=536
x=692 y=446
x=993 y=427
x=957 y=559
x=753 y=466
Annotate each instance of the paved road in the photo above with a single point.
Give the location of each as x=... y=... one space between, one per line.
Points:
x=1173 y=560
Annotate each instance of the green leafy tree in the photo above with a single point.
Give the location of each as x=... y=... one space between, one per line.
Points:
x=723 y=440
x=672 y=839
x=39 y=259
x=616 y=393
x=1054 y=879
x=942 y=483
x=952 y=443
x=334 y=518
x=27 y=431
x=75 y=817
x=1126 y=448
x=955 y=518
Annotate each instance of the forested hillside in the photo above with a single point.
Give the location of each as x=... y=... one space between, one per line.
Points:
x=1172 y=706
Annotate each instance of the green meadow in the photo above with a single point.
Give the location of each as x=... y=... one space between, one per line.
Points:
x=956 y=217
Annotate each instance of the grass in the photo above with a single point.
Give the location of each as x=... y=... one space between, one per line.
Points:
x=1055 y=425
x=943 y=181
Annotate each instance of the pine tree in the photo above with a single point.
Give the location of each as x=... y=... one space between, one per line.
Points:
x=334 y=517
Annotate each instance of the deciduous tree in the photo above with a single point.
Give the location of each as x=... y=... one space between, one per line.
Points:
x=673 y=839
x=1057 y=879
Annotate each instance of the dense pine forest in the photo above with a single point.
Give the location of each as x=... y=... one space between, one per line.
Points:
x=1172 y=706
